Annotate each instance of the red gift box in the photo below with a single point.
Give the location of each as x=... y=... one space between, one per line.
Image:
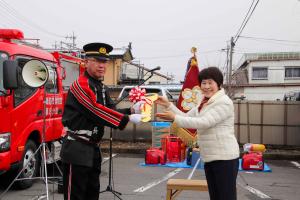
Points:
x=155 y=156
x=174 y=148
x=253 y=161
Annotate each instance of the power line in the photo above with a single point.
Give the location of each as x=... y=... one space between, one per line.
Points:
x=193 y=38
x=10 y=22
x=270 y=39
x=233 y=41
x=17 y=20
x=159 y=57
x=219 y=59
x=180 y=55
x=11 y=18
x=22 y=18
x=245 y=21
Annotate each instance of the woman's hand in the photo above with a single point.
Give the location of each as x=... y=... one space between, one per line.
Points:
x=162 y=101
x=167 y=115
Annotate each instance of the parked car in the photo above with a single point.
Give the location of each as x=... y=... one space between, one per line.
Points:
x=125 y=103
x=292 y=96
x=149 y=89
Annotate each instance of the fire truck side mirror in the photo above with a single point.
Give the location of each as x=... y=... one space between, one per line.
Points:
x=35 y=73
x=10 y=77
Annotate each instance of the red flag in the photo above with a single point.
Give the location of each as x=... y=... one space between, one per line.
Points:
x=189 y=97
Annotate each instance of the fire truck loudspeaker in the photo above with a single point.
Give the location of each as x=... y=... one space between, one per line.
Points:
x=35 y=73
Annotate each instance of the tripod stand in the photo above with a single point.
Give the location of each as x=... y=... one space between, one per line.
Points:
x=109 y=187
x=43 y=175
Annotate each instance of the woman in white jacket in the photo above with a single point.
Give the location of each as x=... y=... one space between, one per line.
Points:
x=214 y=121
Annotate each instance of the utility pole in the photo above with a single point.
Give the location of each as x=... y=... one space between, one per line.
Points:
x=230 y=66
x=73 y=38
x=55 y=45
x=67 y=46
x=225 y=70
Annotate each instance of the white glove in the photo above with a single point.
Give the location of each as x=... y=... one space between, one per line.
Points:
x=137 y=107
x=135 y=118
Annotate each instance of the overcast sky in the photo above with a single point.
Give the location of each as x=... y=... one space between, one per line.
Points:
x=162 y=32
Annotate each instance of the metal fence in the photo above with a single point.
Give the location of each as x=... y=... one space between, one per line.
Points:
x=267 y=122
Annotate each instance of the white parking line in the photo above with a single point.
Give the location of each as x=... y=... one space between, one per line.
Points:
x=254 y=191
x=296 y=164
x=257 y=192
x=107 y=158
x=39 y=197
x=154 y=183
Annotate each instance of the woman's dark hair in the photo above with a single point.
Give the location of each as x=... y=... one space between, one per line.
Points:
x=211 y=73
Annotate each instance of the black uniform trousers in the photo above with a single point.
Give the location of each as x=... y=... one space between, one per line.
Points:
x=81 y=182
x=221 y=179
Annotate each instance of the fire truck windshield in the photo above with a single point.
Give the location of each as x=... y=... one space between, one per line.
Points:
x=3 y=56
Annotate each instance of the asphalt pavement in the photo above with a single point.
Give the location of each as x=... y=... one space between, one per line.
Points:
x=149 y=183
x=137 y=182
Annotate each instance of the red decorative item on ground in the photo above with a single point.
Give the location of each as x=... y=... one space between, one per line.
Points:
x=174 y=148
x=253 y=161
x=249 y=147
x=155 y=156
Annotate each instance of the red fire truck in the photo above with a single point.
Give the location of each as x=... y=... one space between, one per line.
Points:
x=22 y=107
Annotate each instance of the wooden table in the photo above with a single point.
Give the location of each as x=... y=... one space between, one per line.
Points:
x=175 y=186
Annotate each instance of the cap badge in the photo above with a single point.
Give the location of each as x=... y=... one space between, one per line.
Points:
x=102 y=50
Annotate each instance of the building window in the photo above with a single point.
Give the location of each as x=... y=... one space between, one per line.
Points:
x=259 y=73
x=292 y=73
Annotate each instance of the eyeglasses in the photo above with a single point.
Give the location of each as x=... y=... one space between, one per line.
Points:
x=97 y=61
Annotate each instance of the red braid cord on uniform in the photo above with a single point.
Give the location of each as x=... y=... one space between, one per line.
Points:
x=84 y=100
x=91 y=98
x=85 y=96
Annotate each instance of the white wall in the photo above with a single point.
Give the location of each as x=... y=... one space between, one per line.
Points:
x=266 y=93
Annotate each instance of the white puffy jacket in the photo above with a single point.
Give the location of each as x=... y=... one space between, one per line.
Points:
x=215 y=127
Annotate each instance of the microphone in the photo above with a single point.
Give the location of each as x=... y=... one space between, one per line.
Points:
x=154 y=69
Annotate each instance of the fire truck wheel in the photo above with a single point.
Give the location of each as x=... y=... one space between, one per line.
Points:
x=30 y=166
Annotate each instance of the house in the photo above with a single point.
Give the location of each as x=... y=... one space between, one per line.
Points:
x=113 y=71
x=134 y=73
x=266 y=76
x=123 y=71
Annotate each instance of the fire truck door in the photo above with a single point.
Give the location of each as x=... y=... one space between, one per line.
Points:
x=54 y=104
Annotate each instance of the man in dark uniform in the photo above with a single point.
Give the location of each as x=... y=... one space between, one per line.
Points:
x=87 y=110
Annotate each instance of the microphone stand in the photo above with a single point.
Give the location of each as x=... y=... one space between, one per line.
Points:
x=109 y=187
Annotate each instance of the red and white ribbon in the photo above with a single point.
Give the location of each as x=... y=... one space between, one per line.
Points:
x=137 y=94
